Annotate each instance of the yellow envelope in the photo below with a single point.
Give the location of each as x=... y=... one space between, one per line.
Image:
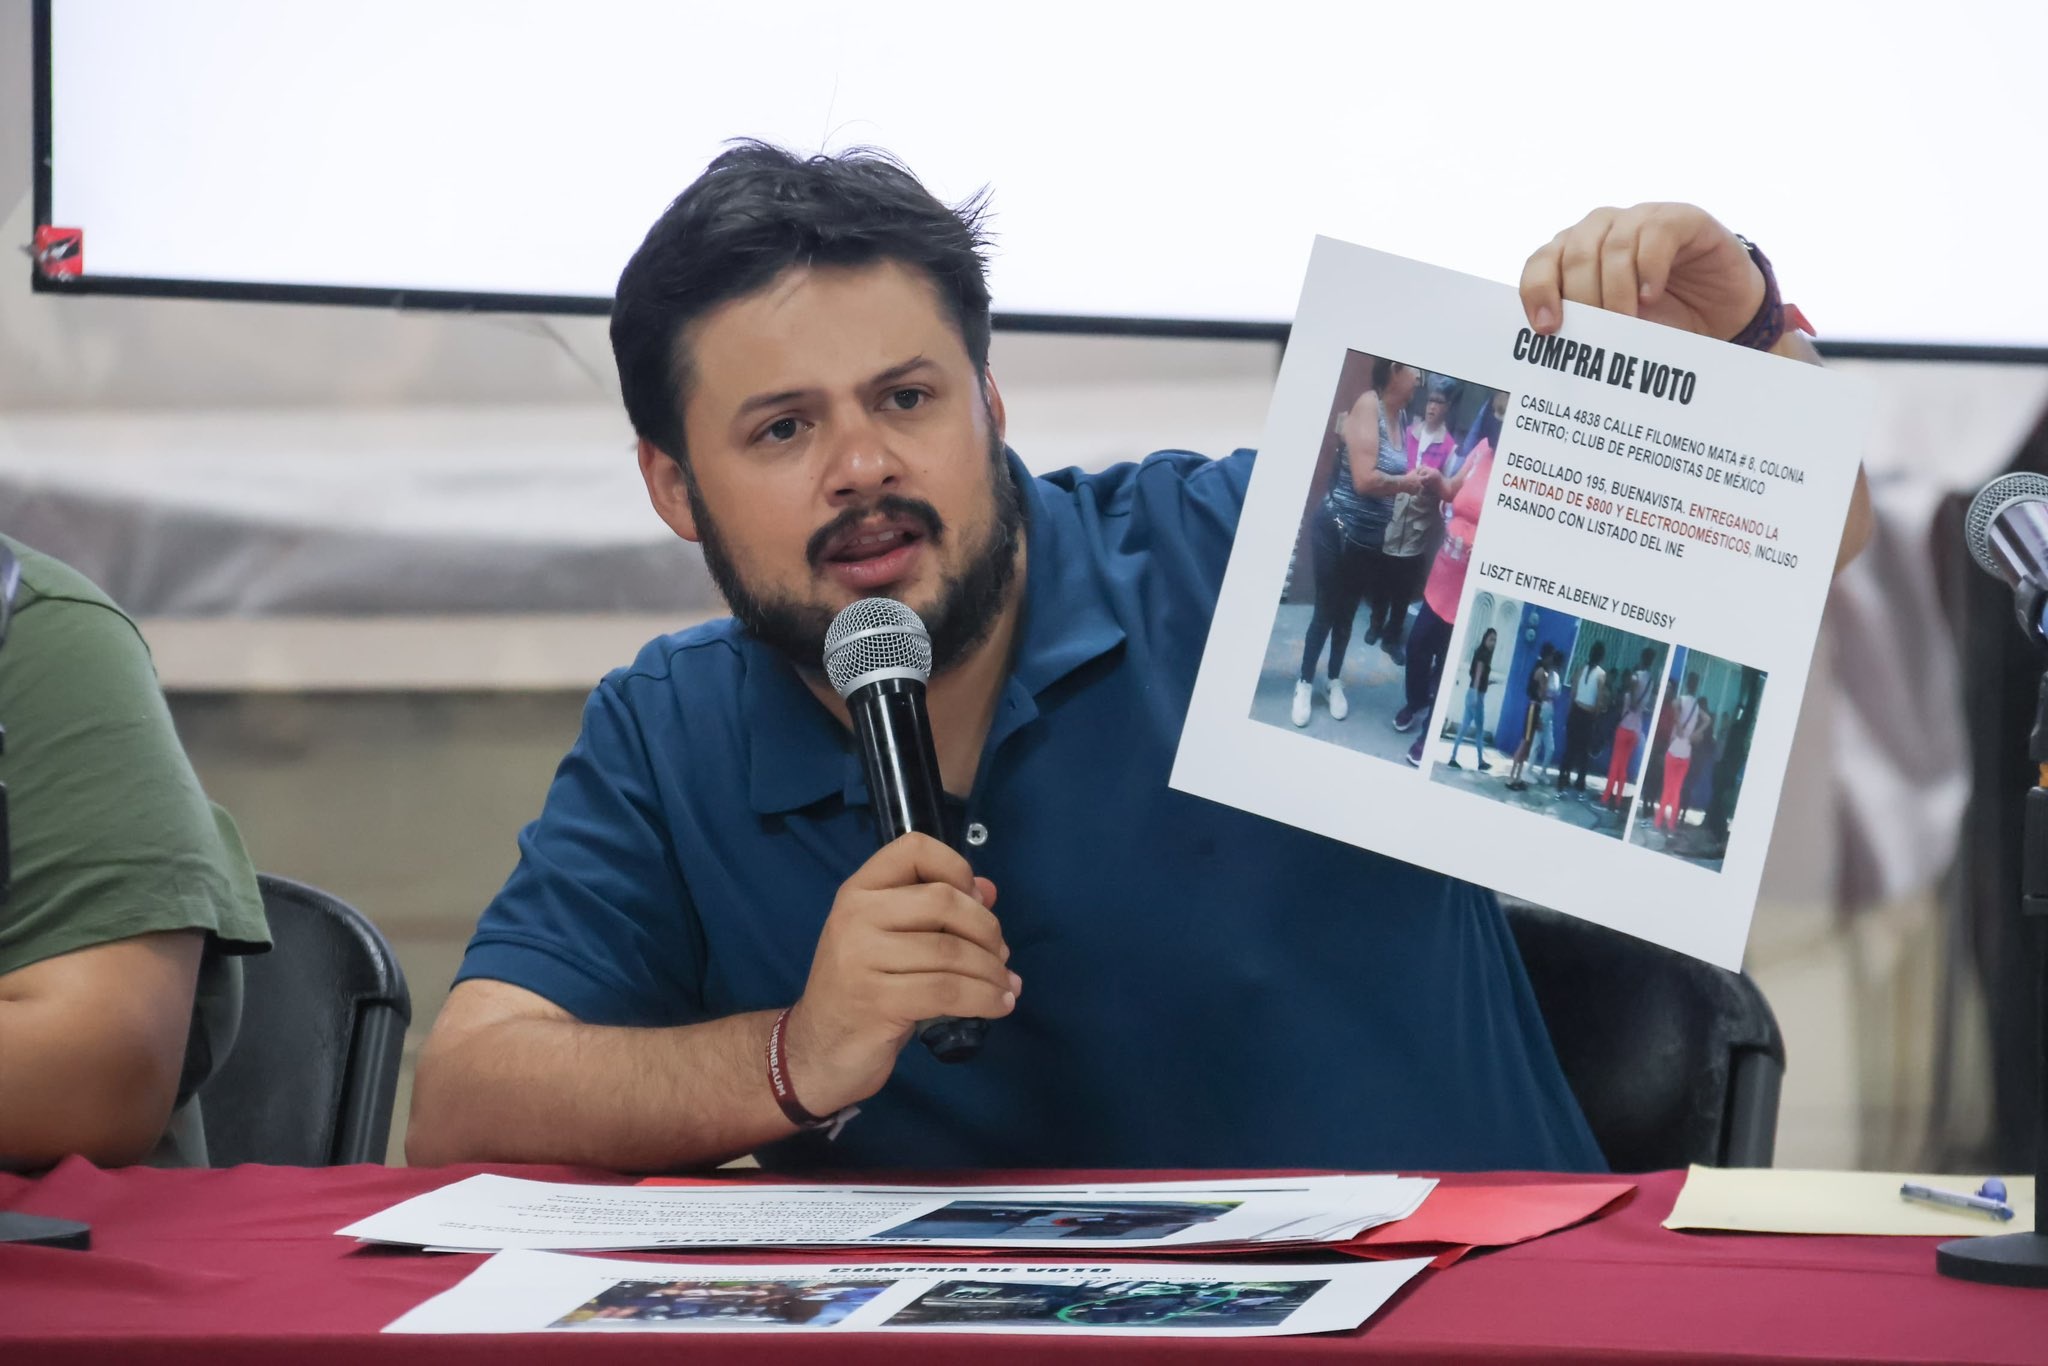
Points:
x=1775 y=1200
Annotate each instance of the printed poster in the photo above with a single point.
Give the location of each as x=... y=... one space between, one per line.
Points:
x=1534 y=612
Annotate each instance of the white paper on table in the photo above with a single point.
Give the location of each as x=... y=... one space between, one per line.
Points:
x=1592 y=486
x=529 y=1292
x=491 y=1212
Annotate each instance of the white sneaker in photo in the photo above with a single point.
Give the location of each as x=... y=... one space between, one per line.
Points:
x=1340 y=707
x=1304 y=692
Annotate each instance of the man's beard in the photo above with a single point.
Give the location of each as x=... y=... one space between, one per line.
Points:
x=958 y=622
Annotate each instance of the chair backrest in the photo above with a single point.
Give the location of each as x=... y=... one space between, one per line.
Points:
x=314 y=1069
x=1673 y=1060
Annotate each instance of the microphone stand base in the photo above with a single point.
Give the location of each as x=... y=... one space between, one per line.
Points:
x=2009 y=1259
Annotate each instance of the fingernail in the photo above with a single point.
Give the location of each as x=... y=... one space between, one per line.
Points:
x=1006 y=953
x=1546 y=318
x=1645 y=290
x=1016 y=983
x=1009 y=999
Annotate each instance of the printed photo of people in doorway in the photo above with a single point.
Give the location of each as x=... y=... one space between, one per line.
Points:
x=1548 y=712
x=1698 y=751
x=1360 y=634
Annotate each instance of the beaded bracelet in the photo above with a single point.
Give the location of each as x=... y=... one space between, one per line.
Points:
x=1768 y=325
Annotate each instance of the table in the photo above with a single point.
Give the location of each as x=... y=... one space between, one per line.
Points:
x=241 y=1266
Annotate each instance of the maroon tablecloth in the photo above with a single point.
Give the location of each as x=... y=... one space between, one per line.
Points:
x=219 y=1268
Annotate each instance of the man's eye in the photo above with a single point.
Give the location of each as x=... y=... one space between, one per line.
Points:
x=907 y=399
x=782 y=429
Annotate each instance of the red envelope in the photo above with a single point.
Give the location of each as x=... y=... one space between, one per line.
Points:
x=1496 y=1216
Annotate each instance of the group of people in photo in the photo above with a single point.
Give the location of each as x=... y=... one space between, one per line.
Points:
x=818 y=1303
x=1568 y=705
x=1585 y=718
x=1392 y=517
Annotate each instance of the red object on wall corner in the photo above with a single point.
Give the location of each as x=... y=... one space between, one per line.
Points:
x=60 y=252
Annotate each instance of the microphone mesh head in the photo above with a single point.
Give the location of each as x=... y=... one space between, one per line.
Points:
x=1994 y=498
x=875 y=635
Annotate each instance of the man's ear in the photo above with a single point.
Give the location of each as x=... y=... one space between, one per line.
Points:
x=667 y=489
x=996 y=416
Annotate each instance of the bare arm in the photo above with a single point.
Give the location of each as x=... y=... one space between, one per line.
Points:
x=1455 y=483
x=509 y=1076
x=1362 y=437
x=91 y=1046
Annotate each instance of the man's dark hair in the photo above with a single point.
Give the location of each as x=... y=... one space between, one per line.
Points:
x=757 y=211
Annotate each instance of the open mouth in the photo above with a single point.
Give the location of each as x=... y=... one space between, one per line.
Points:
x=871 y=542
x=875 y=553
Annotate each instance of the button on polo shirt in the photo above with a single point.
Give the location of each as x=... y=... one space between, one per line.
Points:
x=1202 y=987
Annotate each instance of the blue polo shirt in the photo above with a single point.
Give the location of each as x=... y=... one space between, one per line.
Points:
x=1202 y=987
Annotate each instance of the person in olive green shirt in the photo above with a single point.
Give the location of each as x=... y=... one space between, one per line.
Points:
x=130 y=893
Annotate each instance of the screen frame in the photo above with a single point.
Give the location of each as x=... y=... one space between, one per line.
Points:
x=468 y=301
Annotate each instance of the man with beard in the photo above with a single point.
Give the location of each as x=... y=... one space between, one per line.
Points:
x=803 y=351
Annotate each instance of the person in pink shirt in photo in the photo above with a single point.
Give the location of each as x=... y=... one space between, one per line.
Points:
x=1464 y=493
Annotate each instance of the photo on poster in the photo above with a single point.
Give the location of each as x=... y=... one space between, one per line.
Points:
x=1116 y=1304
x=1546 y=712
x=1103 y=1221
x=1358 y=637
x=1699 y=752
x=796 y=1303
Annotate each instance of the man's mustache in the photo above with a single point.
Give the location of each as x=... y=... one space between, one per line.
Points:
x=891 y=505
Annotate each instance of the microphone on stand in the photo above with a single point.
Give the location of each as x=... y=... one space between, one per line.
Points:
x=2007 y=531
x=878 y=657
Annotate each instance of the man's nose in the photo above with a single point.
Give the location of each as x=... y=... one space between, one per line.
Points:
x=862 y=465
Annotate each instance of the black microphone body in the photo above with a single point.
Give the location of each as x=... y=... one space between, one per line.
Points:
x=878 y=657
x=895 y=735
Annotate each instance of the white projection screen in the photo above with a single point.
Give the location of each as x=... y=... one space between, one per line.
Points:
x=1152 y=167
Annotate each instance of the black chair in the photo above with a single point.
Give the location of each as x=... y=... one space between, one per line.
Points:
x=314 y=1069
x=1673 y=1060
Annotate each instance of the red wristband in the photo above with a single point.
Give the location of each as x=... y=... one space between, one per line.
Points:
x=785 y=1094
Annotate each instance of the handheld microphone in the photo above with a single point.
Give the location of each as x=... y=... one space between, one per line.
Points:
x=878 y=657
x=2007 y=531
